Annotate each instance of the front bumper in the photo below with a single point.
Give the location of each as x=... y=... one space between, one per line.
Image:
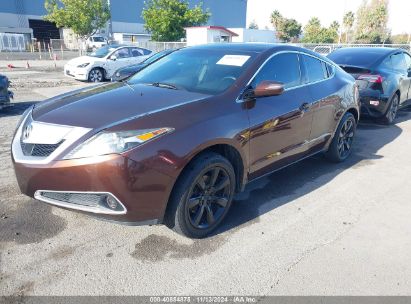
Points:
x=143 y=192
x=76 y=73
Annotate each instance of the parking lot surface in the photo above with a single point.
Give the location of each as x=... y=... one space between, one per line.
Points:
x=314 y=228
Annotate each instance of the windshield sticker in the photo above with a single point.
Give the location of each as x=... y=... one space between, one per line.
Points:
x=234 y=60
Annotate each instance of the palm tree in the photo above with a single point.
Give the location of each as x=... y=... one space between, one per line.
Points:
x=348 y=22
x=276 y=19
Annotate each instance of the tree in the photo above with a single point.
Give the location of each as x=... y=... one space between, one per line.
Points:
x=289 y=30
x=166 y=19
x=84 y=17
x=253 y=25
x=400 y=38
x=348 y=23
x=315 y=33
x=276 y=18
x=286 y=29
x=372 y=18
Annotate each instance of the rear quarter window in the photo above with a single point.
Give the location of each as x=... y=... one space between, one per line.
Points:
x=315 y=69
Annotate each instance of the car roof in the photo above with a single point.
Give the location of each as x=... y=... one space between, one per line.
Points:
x=256 y=48
x=382 y=51
x=361 y=56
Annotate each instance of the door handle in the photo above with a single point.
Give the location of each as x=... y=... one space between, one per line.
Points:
x=305 y=107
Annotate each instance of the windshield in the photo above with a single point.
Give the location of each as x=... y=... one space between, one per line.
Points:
x=102 y=52
x=201 y=71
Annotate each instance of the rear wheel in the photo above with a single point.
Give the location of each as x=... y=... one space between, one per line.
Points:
x=202 y=196
x=392 y=111
x=96 y=75
x=341 y=145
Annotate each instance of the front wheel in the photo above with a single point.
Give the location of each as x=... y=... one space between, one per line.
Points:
x=202 y=196
x=341 y=145
x=96 y=75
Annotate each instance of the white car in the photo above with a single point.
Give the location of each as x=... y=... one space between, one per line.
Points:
x=103 y=63
x=95 y=42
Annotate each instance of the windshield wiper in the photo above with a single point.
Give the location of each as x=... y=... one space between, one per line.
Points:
x=164 y=85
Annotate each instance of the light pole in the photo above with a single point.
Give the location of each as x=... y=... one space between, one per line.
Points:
x=110 y=23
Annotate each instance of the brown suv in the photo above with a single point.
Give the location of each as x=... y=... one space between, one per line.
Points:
x=174 y=143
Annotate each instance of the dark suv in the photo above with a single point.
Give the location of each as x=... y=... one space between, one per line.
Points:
x=383 y=76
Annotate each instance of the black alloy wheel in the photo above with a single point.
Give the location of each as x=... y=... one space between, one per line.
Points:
x=341 y=145
x=208 y=197
x=345 y=138
x=202 y=196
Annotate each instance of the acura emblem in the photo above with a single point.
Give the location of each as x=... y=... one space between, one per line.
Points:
x=27 y=131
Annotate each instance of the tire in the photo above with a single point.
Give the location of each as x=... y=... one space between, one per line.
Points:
x=196 y=206
x=392 y=111
x=341 y=145
x=96 y=75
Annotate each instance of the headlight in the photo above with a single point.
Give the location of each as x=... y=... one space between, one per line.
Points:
x=115 y=142
x=24 y=115
x=83 y=65
x=118 y=74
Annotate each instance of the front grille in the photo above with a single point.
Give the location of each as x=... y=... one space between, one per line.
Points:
x=39 y=150
x=95 y=202
x=34 y=149
x=91 y=200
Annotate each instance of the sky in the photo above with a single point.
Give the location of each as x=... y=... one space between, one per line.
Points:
x=327 y=10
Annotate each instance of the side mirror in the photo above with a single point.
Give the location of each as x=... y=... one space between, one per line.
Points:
x=112 y=57
x=268 y=88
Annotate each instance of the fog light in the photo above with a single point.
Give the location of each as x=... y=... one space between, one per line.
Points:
x=374 y=103
x=111 y=202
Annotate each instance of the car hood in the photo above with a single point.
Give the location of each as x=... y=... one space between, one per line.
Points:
x=103 y=105
x=83 y=59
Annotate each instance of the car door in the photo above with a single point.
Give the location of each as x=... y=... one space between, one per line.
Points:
x=318 y=77
x=118 y=59
x=400 y=66
x=279 y=125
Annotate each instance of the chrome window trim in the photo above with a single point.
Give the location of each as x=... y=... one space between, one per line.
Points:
x=96 y=210
x=240 y=100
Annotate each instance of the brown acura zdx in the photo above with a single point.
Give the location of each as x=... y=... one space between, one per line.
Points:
x=175 y=142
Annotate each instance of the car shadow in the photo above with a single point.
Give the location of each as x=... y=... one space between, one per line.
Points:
x=16 y=109
x=284 y=186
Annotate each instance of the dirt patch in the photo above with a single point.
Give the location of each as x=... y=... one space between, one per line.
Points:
x=28 y=221
x=155 y=248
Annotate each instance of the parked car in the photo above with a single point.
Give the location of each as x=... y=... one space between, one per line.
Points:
x=126 y=72
x=5 y=93
x=101 y=64
x=174 y=143
x=95 y=42
x=383 y=76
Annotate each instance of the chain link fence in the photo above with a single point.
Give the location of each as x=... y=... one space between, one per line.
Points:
x=18 y=46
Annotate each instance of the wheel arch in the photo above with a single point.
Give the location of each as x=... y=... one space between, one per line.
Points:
x=100 y=68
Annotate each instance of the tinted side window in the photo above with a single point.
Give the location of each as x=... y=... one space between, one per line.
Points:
x=122 y=53
x=283 y=68
x=314 y=69
x=398 y=62
x=135 y=52
x=330 y=70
